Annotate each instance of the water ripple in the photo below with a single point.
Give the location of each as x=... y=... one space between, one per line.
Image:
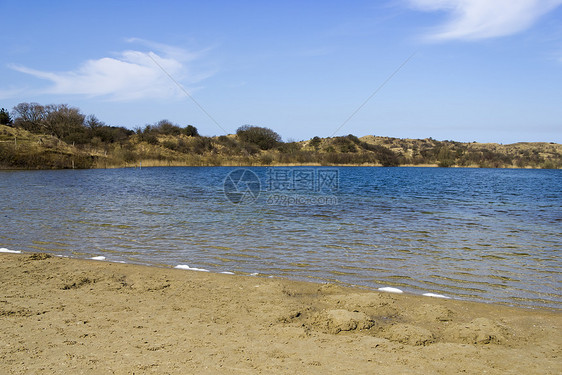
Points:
x=478 y=234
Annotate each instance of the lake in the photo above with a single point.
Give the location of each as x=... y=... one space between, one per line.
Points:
x=489 y=235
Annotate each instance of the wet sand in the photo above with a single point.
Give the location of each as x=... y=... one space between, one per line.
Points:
x=70 y=316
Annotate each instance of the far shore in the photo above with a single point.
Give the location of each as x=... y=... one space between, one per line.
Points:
x=157 y=163
x=166 y=144
x=62 y=315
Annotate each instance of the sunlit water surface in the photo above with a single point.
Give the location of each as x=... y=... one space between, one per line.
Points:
x=489 y=235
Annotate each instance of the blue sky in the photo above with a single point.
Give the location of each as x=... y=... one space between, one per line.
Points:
x=487 y=71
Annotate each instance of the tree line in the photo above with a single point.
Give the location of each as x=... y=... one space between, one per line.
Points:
x=61 y=136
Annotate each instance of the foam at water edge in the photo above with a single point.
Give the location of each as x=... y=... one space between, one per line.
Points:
x=4 y=250
x=389 y=289
x=186 y=267
x=435 y=295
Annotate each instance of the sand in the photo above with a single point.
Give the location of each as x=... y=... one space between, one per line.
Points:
x=70 y=316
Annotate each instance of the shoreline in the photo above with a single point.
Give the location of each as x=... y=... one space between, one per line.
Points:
x=384 y=288
x=76 y=315
x=173 y=165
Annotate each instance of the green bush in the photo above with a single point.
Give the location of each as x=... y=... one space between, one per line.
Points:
x=200 y=145
x=264 y=138
x=315 y=143
x=190 y=131
x=344 y=144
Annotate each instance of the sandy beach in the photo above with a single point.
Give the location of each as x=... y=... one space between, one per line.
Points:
x=70 y=316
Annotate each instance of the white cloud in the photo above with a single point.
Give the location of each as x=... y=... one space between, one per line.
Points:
x=481 y=19
x=128 y=76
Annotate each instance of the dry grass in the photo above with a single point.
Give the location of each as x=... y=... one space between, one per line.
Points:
x=24 y=150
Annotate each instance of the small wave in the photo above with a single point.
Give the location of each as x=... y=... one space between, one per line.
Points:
x=186 y=267
x=435 y=295
x=4 y=250
x=100 y=257
x=390 y=289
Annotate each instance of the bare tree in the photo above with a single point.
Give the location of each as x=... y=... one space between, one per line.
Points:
x=29 y=116
x=62 y=120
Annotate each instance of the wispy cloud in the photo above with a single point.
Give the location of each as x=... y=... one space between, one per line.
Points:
x=481 y=19
x=128 y=75
x=8 y=93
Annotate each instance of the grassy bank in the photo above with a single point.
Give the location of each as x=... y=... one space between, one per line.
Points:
x=22 y=149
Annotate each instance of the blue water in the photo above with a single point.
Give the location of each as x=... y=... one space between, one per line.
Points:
x=490 y=235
